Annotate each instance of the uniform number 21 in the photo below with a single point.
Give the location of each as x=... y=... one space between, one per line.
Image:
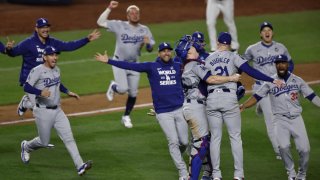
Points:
x=221 y=71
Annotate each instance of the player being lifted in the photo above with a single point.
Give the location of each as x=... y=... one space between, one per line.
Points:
x=287 y=114
x=131 y=36
x=223 y=62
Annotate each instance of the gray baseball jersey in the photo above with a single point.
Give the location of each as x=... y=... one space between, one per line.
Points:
x=289 y=123
x=129 y=39
x=262 y=58
x=48 y=113
x=223 y=108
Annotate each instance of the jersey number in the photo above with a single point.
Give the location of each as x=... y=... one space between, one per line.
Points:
x=294 y=96
x=221 y=71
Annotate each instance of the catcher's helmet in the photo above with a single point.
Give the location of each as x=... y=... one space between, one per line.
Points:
x=182 y=47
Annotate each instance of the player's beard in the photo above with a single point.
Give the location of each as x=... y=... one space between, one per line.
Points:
x=282 y=73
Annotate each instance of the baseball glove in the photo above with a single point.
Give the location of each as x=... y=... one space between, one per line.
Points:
x=240 y=90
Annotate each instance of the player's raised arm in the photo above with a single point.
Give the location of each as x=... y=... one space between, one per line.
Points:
x=102 y=20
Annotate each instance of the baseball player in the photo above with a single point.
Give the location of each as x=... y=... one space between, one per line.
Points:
x=2 y=48
x=223 y=62
x=200 y=44
x=131 y=36
x=31 y=50
x=194 y=79
x=45 y=83
x=165 y=81
x=226 y=7
x=287 y=114
x=262 y=54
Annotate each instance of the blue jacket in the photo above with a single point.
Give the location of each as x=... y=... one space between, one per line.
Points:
x=164 y=79
x=32 y=48
x=2 y=48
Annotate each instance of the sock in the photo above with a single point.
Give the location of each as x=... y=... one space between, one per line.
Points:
x=131 y=101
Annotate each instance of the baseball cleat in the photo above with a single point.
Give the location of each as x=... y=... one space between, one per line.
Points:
x=238 y=178
x=278 y=157
x=151 y=112
x=85 y=166
x=50 y=146
x=25 y=156
x=126 y=121
x=183 y=178
x=216 y=178
x=110 y=91
x=21 y=110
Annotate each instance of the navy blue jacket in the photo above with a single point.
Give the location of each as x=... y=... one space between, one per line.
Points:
x=32 y=48
x=2 y=48
x=164 y=79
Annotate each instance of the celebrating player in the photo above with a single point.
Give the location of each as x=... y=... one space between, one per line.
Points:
x=287 y=114
x=165 y=80
x=226 y=7
x=44 y=82
x=223 y=62
x=31 y=50
x=131 y=36
x=194 y=79
x=263 y=54
x=2 y=48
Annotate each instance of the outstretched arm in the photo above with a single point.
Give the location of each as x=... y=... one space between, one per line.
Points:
x=102 y=20
x=250 y=102
x=95 y=34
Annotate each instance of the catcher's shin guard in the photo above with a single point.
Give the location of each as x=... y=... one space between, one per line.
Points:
x=198 y=154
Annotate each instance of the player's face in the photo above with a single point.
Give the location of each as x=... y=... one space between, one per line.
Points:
x=282 y=69
x=133 y=16
x=165 y=55
x=43 y=32
x=51 y=60
x=266 y=35
x=192 y=53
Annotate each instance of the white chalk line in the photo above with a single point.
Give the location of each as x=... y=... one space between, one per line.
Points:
x=111 y=109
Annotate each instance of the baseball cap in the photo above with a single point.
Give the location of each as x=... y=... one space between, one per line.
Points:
x=163 y=46
x=198 y=36
x=281 y=58
x=50 y=50
x=42 y=22
x=224 y=38
x=265 y=24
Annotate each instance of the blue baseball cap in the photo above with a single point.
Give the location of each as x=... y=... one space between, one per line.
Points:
x=265 y=24
x=281 y=58
x=224 y=38
x=41 y=22
x=50 y=50
x=163 y=46
x=198 y=36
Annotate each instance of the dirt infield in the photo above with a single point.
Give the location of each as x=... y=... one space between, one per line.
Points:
x=83 y=14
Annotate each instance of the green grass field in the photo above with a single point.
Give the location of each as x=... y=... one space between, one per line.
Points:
x=141 y=153
x=83 y=75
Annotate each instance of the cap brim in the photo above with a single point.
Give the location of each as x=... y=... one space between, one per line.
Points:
x=44 y=25
x=165 y=48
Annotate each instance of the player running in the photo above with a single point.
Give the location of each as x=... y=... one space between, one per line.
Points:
x=131 y=36
x=165 y=81
x=262 y=54
x=287 y=114
x=44 y=82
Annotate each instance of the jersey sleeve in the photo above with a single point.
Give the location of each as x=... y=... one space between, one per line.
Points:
x=149 y=34
x=2 y=48
x=238 y=61
x=113 y=25
x=305 y=88
x=264 y=89
x=248 y=54
x=21 y=48
x=69 y=45
x=139 y=67
x=33 y=76
x=200 y=71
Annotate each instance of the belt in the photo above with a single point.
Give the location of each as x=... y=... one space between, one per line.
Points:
x=47 y=107
x=219 y=90
x=198 y=101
